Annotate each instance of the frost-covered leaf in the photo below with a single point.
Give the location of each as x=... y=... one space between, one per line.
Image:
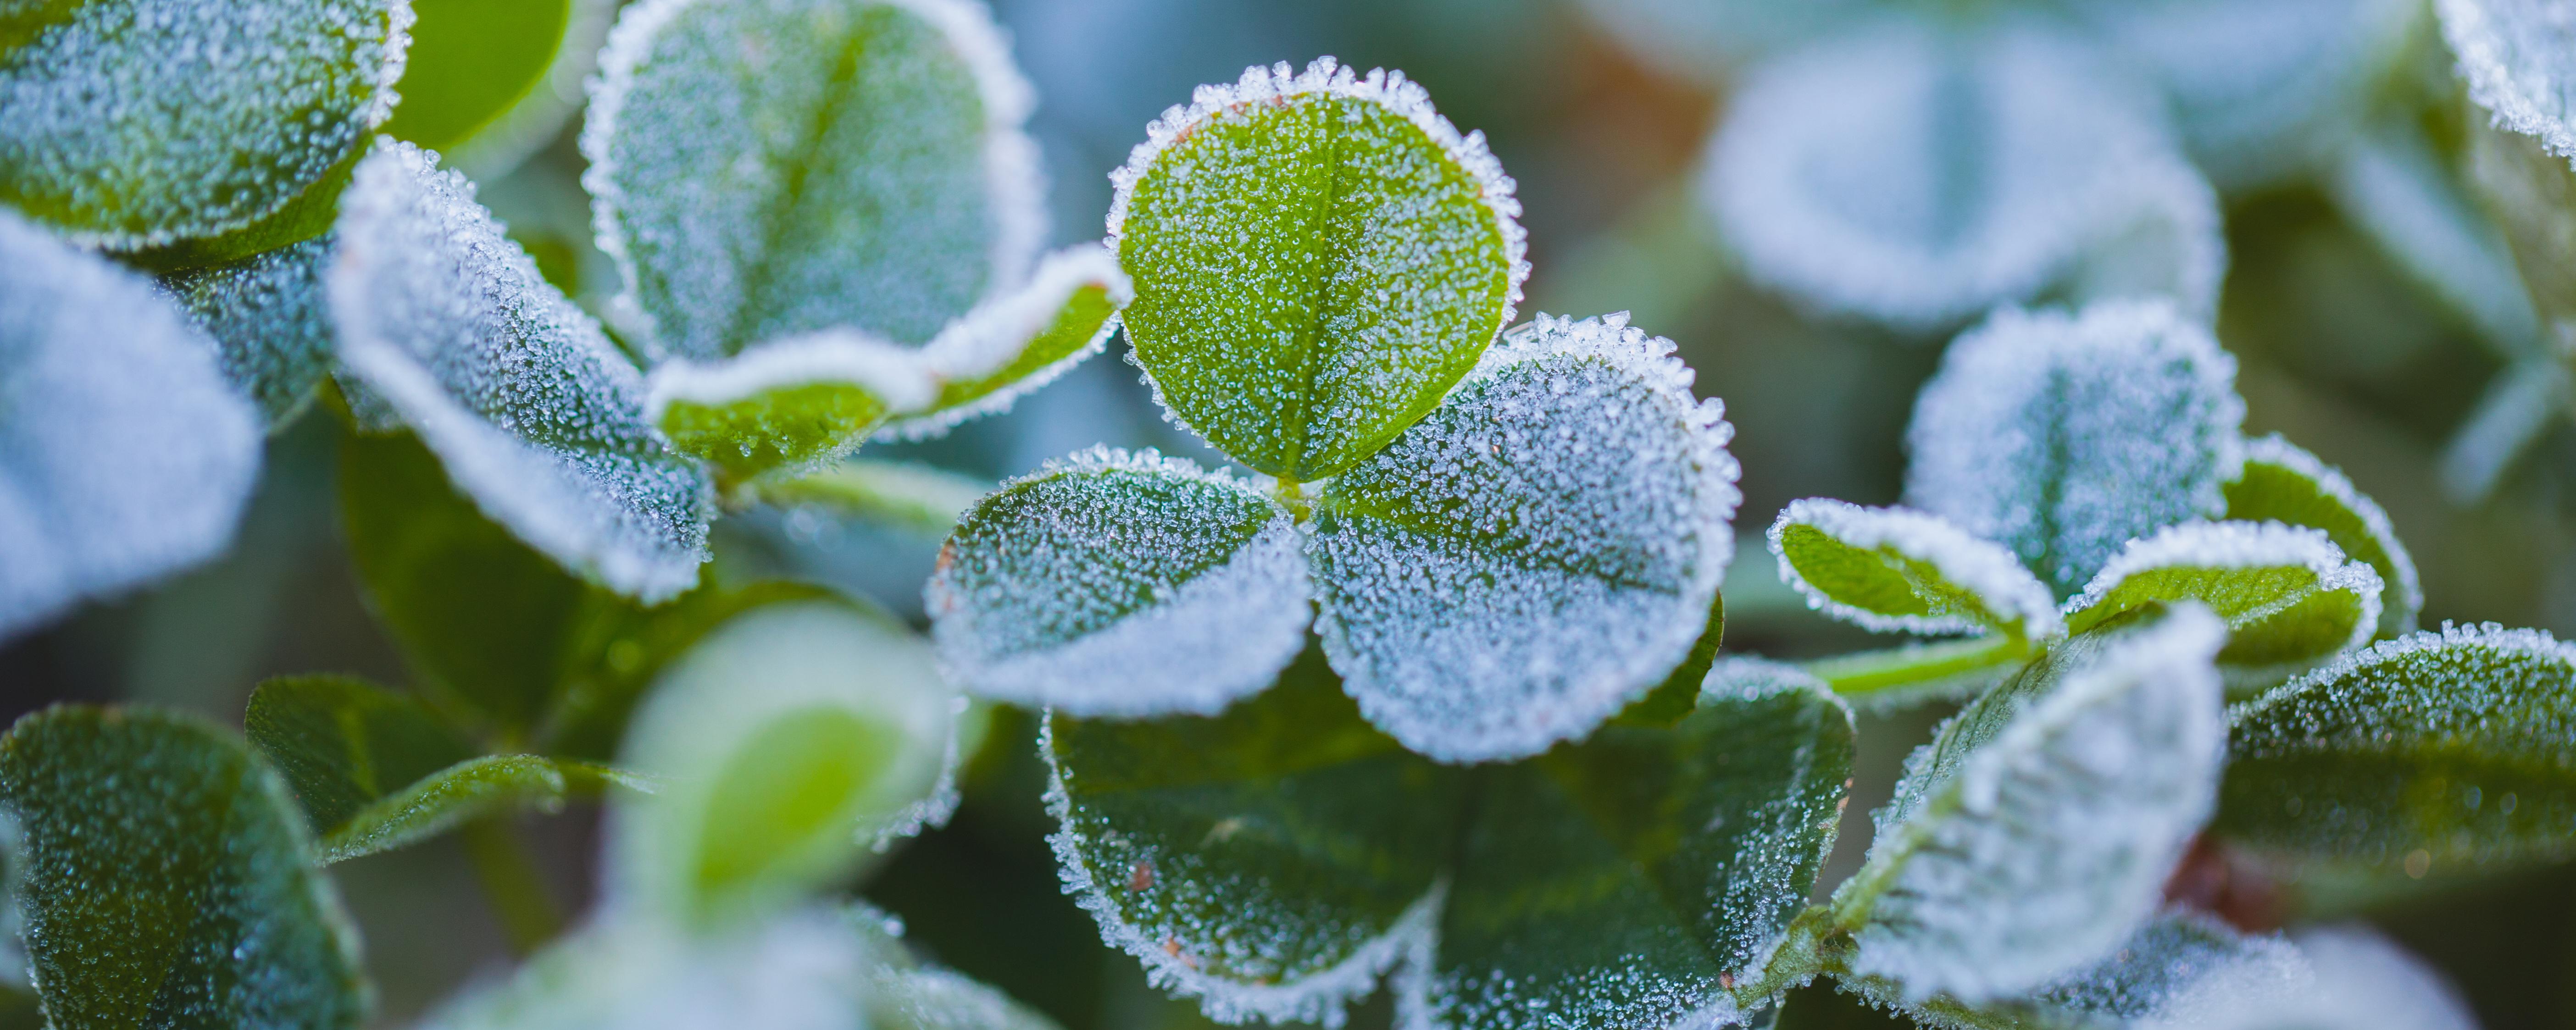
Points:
x=905 y=993
x=1707 y=38
x=1002 y=350
x=2438 y=753
x=377 y=770
x=2287 y=594
x=487 y=82
x=123 y=454
x=804 y=970
x=2179 y=969
x=168 y=879
x=1535 y=555
x=2356 y=978
x=1634 y=879
x=2531 y=193
x=2412 y=200
x=531 y=409
x=140 y=122
x=2065 y=436
x=2515 y=55
x=2283 y=483
x=1920 y=176
x=270 y=324
x=1895 y=570
x=2038 y=832
x=2259 y=89
x=1114 y=584
x=1272 y=860
x=922 y=498
x=781 y=746
x=1318 y=257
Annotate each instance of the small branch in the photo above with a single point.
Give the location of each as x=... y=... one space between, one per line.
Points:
x=1919 y=672
x=512 y=883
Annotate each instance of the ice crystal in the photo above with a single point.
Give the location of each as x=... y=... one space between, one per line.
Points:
x=2515 y=56
x=2356 y=979
x=535 y=414
x=124 y=456
x=268 y=317
x=2246 y=572
x=2182 y=968
x=2064 y=436
x=1953 y=582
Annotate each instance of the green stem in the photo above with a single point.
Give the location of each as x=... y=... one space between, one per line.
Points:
x=1917 y=671
x=512 y=883
x=918 y=498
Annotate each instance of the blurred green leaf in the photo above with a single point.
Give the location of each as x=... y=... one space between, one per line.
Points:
x=482 y=69
x=906 y=993
x=307 y=216
x=1674 y=699
x=1893 y=569
x=921 y=498
x=1317 y=259
x=270 y=324
x=2287 y=595
x=168 y=879
x=2282 y=483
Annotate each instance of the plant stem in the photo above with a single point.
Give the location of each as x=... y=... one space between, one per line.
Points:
x=512 y=883
x=1918 y=671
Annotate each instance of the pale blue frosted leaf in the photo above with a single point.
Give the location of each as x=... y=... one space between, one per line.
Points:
x=781 y=747
x=1898 y=570
x=1111 y=584
x=2516 y=56
x=1705 y=39
x=535 y=414
x=1534 y=555
x=1920 y=177
x=2037 y=834
x=2392 y=184
x=906 y=993
x=2182 y=968
x=124 y=456
x=2064 y=436
x=270 y=323
x=804 y=970
x=140 y=122
x=2356 y=979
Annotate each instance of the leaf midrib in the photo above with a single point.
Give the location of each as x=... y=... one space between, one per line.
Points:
x=759 y=280
x=1317 y=251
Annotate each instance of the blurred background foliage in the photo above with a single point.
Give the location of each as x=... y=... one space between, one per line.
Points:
x=2338 y=349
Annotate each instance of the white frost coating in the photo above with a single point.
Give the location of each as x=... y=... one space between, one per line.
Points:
x=2431 y=707
x=890 y=372
x=988 y=339
x=2273 y=450
x=2357 y=980
x=1322 y=997
x=2051 y=844
x=1329 y=77
x=1739 y=678
x=1537 y=553
x=124 y=455
x=803 y=971
x=1920 y=177
x=532 y=410
x=1984 y=568
x=2244 y=545
x=2519 y=57
x=2063 y=437
x=1041 y=608
x=2182 y=969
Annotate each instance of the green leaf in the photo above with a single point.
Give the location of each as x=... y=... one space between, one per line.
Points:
x=530 y=408
x=619 y=653
x=1636 y=878
x=167 y=879
x=2037 y=832
x=1678 y=695
x=1117 y=584
x=793 y=405
x=126 y=456
x=2286 y=594
x=2180 y=969
x=270 y=323
x=489 y=81
x=306 y=217
x=133 y=123
x=906 y=993
x=1318 y=257
x=1894 y=570
x=2441 y=753
x=922 y=498
x=2065 y=437
x=1534 y=556
x=1003 y=350
x=780 y=745
x=801 y=970
x=1272 y=860
x=2282 y=483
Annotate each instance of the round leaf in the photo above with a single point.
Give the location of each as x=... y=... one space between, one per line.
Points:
x=2282 y=483
x=1317 y=258
x=1890 y=569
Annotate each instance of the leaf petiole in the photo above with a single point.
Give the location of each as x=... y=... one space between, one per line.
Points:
x=511 y=881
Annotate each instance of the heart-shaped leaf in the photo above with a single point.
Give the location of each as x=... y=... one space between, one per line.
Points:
x=2282 y=483
x=268 y=319
x=2037 y=833
x=2287 y=595
x=1895 y=570
x=1920 y=175
x=2064 y=437
x=531 y=409
x=2441 y=752
x=133 y=123
x=780 y=746
x=487 y=82
x=123 y=455
x=1318 y=257
x=1117 y=584
x=1536 y=554
x=168 y=880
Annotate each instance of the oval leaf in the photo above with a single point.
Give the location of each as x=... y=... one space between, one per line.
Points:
x=1895 y=570
x=123 y=455
x=1117 y=584
x=2438 y=753
x=270 y=324
x=2287 y=595
x=168 y=879
x=2064 y=437
x=487 y=82
x=1018 y=342
x=2282 y=483
x=1636 y=878
x=1317 y=258
x=1272 y=860
x=2038 y=833
x=533 y=411
x=132 y=123
x=1538 y=553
